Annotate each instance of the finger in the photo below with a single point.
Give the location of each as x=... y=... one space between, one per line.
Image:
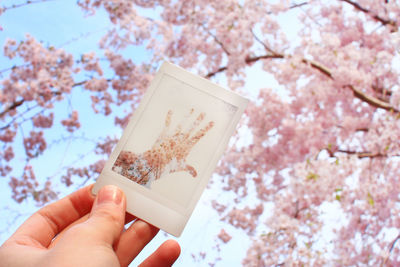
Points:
x=187 y=168
x=133 y=240
x=164 y=256
x=196 y=123
x=128 y=219
x=108 y=215
x=61 y=234
x=168 y=119
x=184 y=119
x=166 y=127
x=191 y=170
x=45 y=224
x=201 y=133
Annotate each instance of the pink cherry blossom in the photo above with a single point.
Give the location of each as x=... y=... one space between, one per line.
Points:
x=224 y=236
x=72 y=123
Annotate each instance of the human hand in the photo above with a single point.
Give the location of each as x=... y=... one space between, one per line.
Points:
x=168 y=153
x=83 y=230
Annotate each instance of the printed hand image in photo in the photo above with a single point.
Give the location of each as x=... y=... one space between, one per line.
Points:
x=167 y=155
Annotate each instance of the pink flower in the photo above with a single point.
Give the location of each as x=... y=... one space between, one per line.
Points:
x=72 y=123
x=224 y=236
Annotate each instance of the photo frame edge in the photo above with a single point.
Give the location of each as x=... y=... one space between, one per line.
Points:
x=183 y=217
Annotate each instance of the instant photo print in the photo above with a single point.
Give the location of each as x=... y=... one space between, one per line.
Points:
x=170 y=147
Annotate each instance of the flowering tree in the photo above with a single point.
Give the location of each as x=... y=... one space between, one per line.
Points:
x=328 y=137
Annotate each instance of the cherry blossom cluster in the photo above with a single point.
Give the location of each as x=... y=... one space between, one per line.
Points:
x=27 y=186
x=35 y=144
x=72 y=123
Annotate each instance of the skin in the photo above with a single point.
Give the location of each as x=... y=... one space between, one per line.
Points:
x=84 y=230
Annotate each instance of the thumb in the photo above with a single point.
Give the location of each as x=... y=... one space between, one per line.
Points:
x=108 y=214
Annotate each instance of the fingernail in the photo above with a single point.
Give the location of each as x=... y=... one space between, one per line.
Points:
x=110 y=193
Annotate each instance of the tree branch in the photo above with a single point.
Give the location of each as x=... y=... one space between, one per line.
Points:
x=263 y=44
x=390 y=250
x=293 y=6
x=298 y=5
x=248 y=61
x=393 y=243
x=12 y=68
x=374 y=16
x=18 y=103
x=28 y=2
x=327 y=72
x=371 y=100
x=360 y=155
x=215 y=39
x=12 y=107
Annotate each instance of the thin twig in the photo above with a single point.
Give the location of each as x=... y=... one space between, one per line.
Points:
x=298 y=5
x=248 y=60
x=393 y=243
x=215 y=39
x=292 y=7
x=12 y=68
x=262 y=43
x=28 y=2
x=390 y=250
x=18 y=103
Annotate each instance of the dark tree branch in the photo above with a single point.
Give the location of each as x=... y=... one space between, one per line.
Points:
x=18 y=103
x=248 y=60
x=293 y=6
x=360 y=155
x=371 y=100
x=28 y=2
x=318 y=67
x=298 y=5
x=393 y=243
x=14 y=119
x=12 y=107
x=384 y=262
x=362 y=129
x=370 y=13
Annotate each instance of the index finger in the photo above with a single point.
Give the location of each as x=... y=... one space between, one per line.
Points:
x=128 y=218
x=50 y=220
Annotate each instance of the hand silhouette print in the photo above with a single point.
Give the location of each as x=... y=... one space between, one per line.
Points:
x=167 y=155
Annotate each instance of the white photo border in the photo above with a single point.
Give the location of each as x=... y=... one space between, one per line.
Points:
x=142 y=202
